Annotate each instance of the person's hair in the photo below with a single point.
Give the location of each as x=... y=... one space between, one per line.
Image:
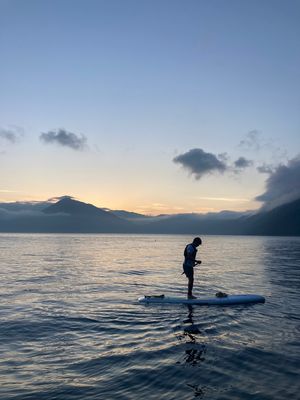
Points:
x=197 y=241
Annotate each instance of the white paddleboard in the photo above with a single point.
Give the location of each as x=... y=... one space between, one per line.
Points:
x=230 y=299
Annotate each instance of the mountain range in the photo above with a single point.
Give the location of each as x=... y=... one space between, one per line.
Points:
x=68 y=215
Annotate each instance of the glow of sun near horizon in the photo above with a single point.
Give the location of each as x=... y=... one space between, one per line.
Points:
x=153 y=107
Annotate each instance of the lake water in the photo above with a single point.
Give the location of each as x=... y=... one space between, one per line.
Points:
x=71 y=327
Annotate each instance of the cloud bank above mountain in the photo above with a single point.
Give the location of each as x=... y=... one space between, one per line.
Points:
x=282 y=185
x=12 y=134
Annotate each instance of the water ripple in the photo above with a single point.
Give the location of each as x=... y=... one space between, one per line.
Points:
x=71 y=328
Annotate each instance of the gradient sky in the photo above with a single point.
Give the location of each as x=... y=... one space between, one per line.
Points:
x=139 y=83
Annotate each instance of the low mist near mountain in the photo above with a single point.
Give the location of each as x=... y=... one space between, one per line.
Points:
x=67 y=215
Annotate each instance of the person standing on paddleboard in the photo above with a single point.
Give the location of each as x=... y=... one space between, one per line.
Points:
x=189 y=263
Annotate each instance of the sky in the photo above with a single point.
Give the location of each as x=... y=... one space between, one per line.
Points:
x=160 y=106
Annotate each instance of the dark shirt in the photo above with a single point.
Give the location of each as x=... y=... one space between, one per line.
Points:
x=190 y=253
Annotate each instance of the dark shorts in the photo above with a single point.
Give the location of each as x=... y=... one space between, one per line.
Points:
x=189 y=271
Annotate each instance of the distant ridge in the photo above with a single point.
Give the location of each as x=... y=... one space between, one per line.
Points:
x=86 y=217
x=68 y=215
x=129 y=215
x=283 y=220
x=75 y=208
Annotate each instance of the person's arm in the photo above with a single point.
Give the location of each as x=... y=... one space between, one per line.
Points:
x=190 y=251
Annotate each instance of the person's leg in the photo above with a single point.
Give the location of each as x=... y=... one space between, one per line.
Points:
x=190 y=286
x=189 y=273
x=190 y=283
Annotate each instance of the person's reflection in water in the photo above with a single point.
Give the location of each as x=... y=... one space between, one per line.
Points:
x=193 y=350
x=198 y=391
x=194 y=353
x=190 y=315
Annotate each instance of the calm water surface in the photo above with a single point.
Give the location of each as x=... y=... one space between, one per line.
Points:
x=71 y=328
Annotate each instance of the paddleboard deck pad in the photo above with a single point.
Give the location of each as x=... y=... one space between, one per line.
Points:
x=229 y=299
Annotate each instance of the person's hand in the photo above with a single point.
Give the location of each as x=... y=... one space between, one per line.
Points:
x=197 y=262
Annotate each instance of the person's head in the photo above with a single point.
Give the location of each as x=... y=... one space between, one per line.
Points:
x=197 y=241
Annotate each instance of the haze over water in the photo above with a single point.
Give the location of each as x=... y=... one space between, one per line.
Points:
x=71 y=326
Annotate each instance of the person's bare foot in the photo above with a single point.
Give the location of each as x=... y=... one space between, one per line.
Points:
x=191 y=297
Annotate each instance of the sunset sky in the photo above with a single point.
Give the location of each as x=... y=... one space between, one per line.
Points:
x=160 y=106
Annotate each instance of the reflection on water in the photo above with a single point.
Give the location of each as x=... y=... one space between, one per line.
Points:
x=71 y=328
x=194 y=350
x=198 y=391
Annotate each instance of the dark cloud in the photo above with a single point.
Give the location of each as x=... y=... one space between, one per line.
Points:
x=200 y=163
x=65 y=138
x=242 y=163
x=11 y=135
x=265 y=169
x=251 y=141
x=283 y=185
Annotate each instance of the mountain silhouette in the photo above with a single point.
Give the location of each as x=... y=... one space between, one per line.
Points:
x=283 y=220
x=84 y=217
x=72 y=216
x=75 y=208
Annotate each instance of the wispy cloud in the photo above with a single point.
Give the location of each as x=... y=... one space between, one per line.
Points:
x=255 y=143
x=11 y=135
x=64 y=138
x=282 y=186
x=230 y=199
x=200 y=163
x=252 y=140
